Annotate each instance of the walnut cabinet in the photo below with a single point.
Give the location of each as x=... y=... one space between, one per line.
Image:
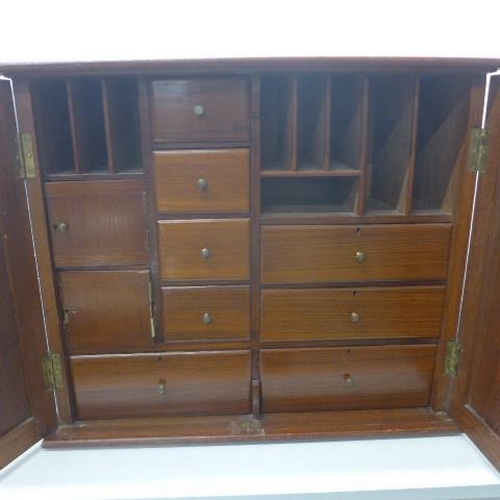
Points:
x=248 y=250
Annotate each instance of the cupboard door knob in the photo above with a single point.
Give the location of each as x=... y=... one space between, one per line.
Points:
x=207 y=319
x=202 y=184
x=199 y=110
x=205 y=253
x=348 y=379
x=360 y=257
x=354 y=317
x=62 y=227
x=162 y=387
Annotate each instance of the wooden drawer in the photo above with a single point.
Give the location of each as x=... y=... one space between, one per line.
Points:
x=206 y=313
x=98 y=223
x=346 y=378
x=205 y=249
x=106 y=310
x=353 y=313
x=200 y=110
x=320 y=254
x=202 y=181
x=191 y=383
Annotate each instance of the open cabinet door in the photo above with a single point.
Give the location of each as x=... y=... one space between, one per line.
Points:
x=27 y=408
x=475 y=394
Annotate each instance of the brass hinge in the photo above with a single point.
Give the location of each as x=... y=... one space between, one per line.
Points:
x=452 y=359
x=479 y=149
x=152 y=311
x=25 y=160
x=52 y=372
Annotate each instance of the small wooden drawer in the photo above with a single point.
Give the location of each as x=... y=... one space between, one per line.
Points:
x=346 y=378
x=98 y=223
x=206 y=313
x=149 y=385
x=353 y=313
x=200 y=110
x=205 y=249
x=321 y=254
x=202 y=181
x=106 y=311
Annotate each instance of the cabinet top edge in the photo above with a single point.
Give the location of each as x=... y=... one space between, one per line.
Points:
x=251 y=65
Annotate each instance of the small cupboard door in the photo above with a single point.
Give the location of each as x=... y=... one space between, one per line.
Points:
x=27 y=409
x=475 y=393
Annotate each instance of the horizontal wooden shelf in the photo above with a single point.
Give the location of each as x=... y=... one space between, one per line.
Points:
x=346 y=172
x=100 y=175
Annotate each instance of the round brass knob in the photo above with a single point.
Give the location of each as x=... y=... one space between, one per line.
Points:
x=360 y=257
x=205 y=253
x=162 y=387
x=348 y=379
x=62 y=227
x=354 y=317
x=199 y=110
x=202 y=184
x=207 y=319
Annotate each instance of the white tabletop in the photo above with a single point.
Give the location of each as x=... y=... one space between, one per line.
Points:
x=430 y=468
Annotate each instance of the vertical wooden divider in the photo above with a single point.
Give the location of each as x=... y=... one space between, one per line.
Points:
x=293 y=124
x=108 y=126
x=364 y=145
x=328 y=121
x=255 y=188
x=73 y=123
x=405 y=200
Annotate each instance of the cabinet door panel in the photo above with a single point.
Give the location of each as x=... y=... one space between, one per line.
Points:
x=200 y=110
x=354 y=313
x=106 y=310
x=308 y=254
x=98 y=223
x=190 y=383
x=346 y=378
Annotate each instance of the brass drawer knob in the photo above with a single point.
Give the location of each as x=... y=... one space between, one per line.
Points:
x=207 y=319
x=202 y=184
x=199 y=110
x=162 y=387
x=348 y=379
x=62 y=227
x=360 y=257
x=354 y=317
x=205 y=253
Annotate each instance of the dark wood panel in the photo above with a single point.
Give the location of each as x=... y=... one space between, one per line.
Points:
x=361 y=313
x=207 y=312
x=346 y=378
x=105 y=223
x=205 y=249
x=202 y=181
x=295 y=254
x=200 y=110
x=162 y=384
x=106 y=310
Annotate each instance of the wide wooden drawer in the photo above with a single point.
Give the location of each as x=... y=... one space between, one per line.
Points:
x=105 y=311
x=97 y=223
x=191 y=383
x=205 y=249
x=200 y=110
x=202 y=181
x=346 y=378
x=320 y=254
x=206 y=312
x=352 y=313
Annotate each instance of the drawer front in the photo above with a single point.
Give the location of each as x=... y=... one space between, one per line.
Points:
x=320 y=254
x=346 y=378
x=194 y=383
x=202 y=181
x=206 y=313
x=200 y=110
x=361 y=313
x=106 y=311
x=205 y=249
x=97 y=223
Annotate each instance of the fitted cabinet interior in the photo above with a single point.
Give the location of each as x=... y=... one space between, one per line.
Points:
x=259 y=254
